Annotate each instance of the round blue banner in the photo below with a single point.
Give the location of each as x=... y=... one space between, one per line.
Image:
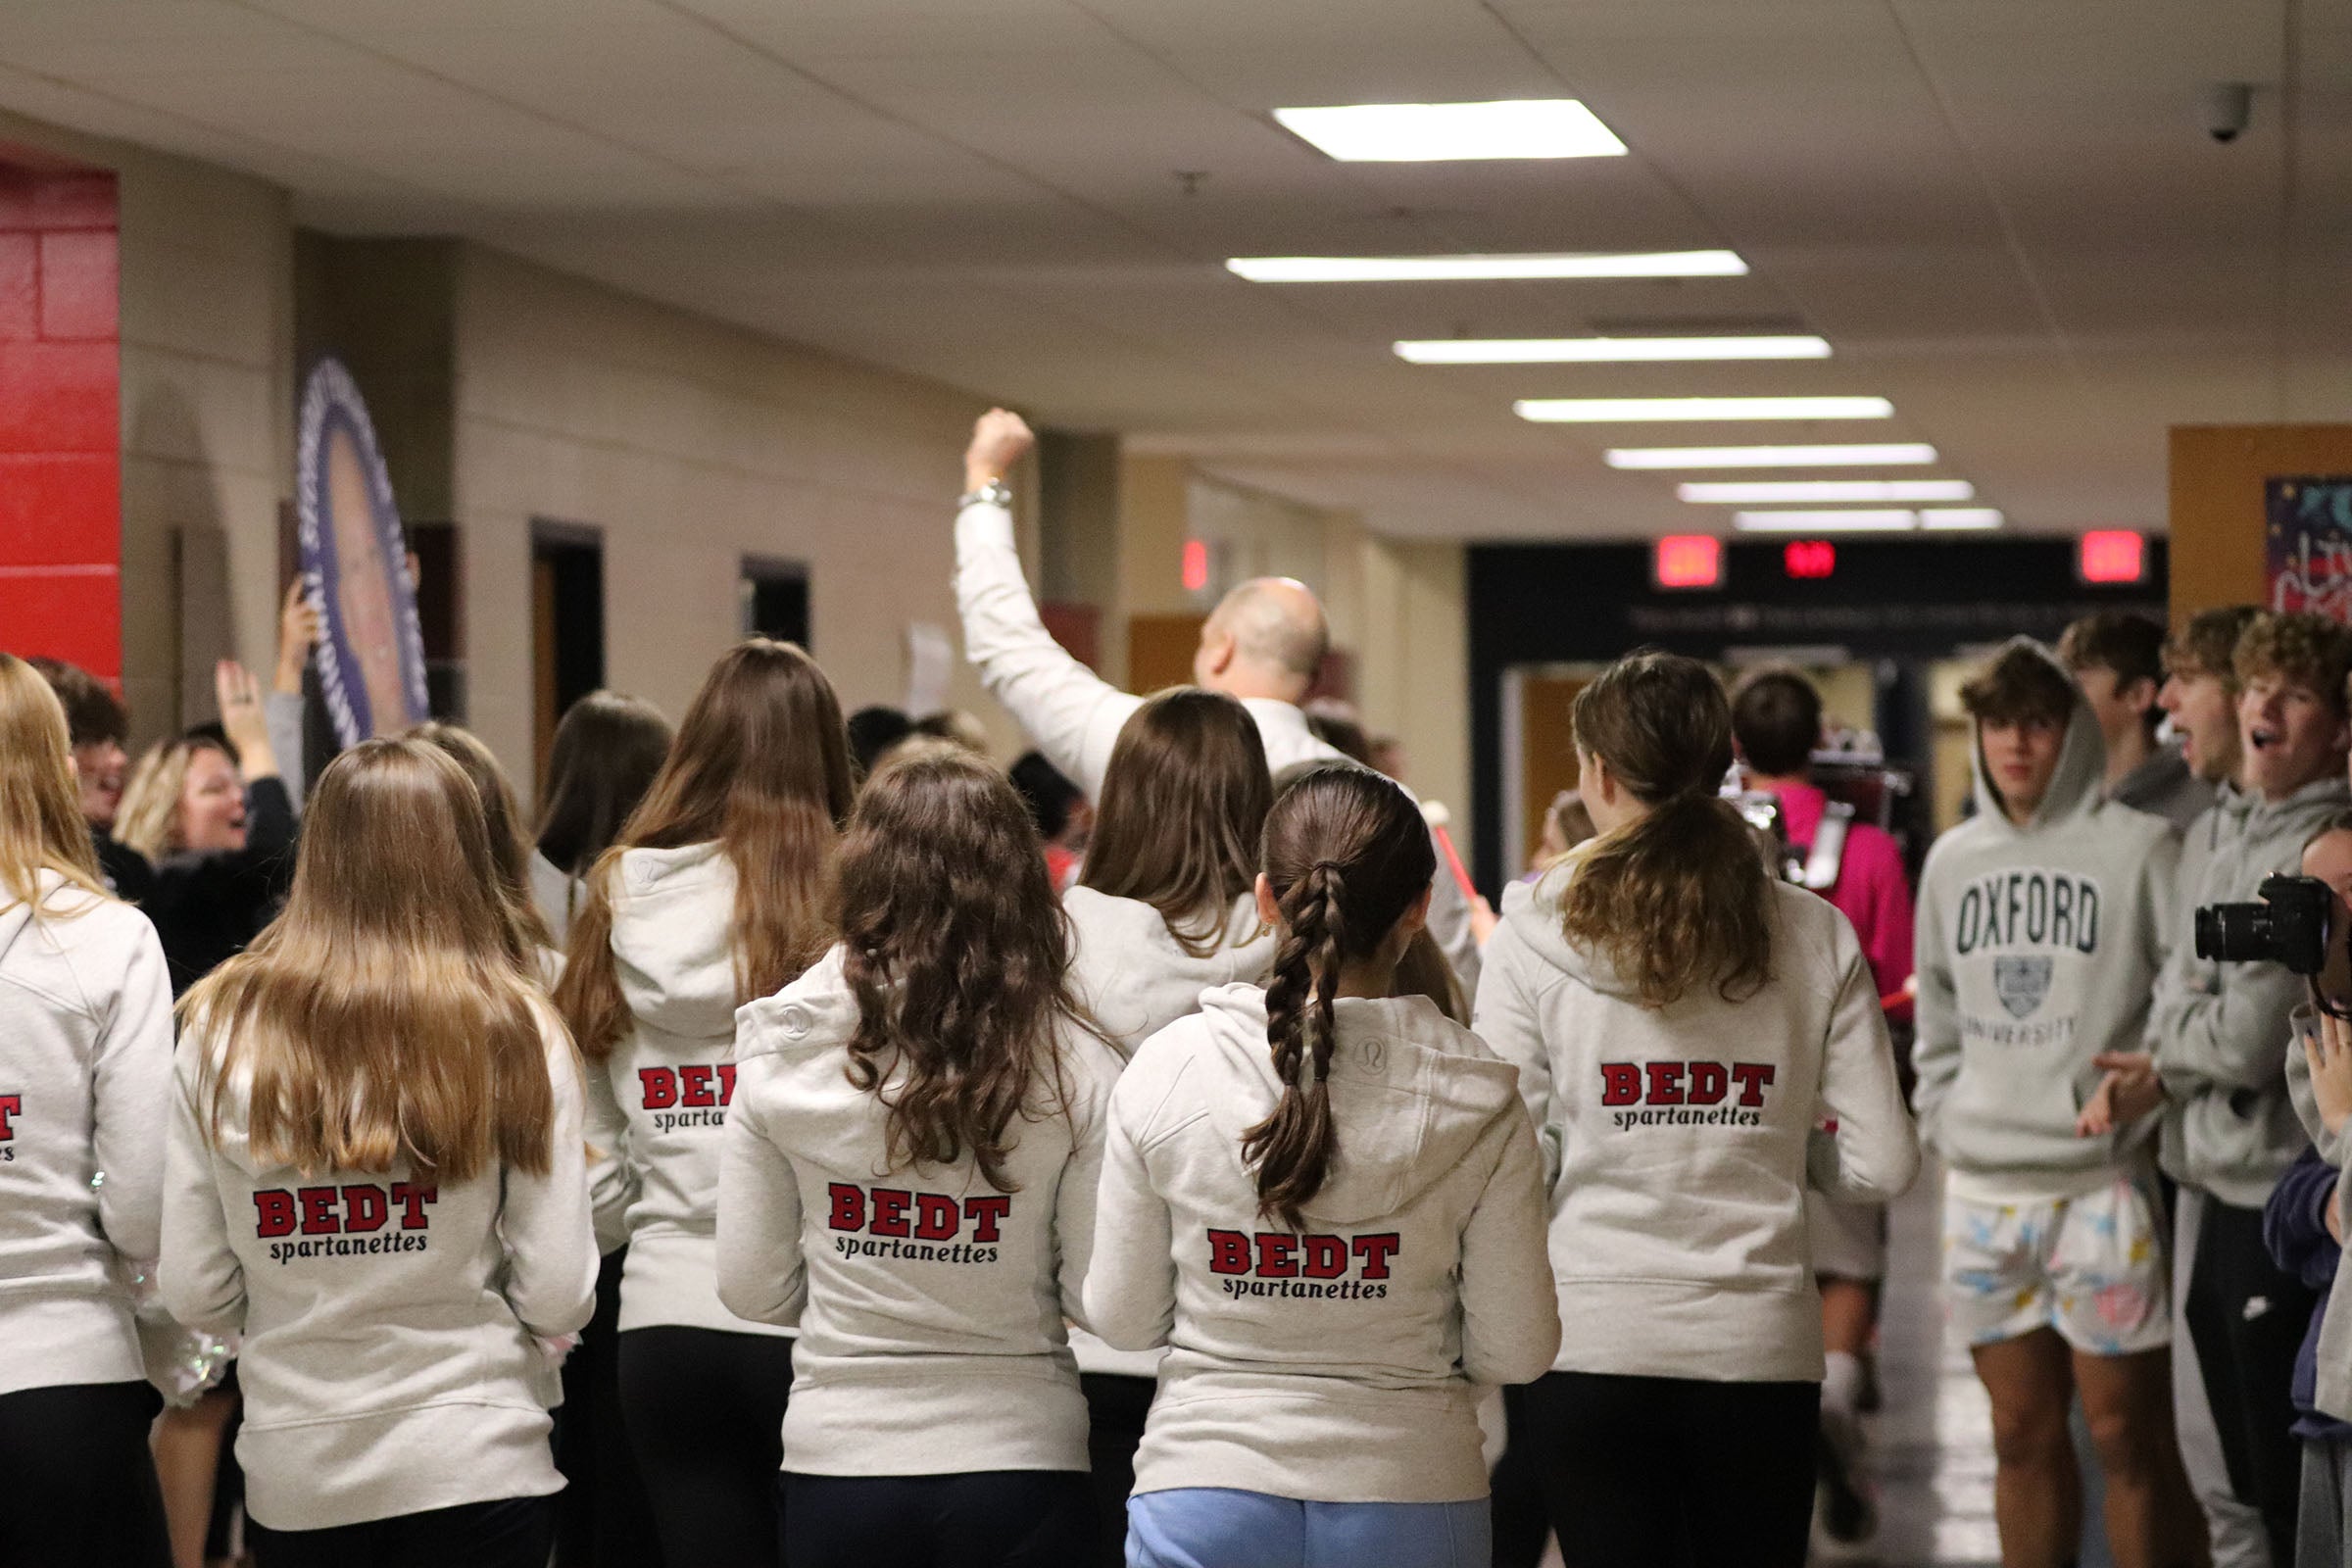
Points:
x=355 y=565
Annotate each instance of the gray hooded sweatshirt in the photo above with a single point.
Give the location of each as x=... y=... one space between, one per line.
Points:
x=930 y=1304
x=658 y=1104
x=390 y=1363
x=1136 y=979
x=85 y=1075
x=2219 y=1030
x=2038 y=946
x=2162 y=786
x=1335 y=1363
x=1680 y=1140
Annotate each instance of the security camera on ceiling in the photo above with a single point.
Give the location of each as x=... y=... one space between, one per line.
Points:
x=2228 y=106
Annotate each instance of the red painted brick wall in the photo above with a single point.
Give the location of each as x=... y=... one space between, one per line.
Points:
x=60 y=467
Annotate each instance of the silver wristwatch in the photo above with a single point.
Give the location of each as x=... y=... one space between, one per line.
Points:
x=995 y=493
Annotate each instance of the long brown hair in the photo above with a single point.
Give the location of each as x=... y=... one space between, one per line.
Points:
x=388 y=1014
x=1680 y=897
x=1184 y=802
x=1347 y=853
x=956 y=948
x=608 y=749
x=40 y=815
x=501 y=817
x=760 y=766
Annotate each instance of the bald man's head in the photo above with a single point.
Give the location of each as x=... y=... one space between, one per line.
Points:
x=1264 y=639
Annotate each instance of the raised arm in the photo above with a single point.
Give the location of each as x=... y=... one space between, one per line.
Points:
x=1068 y=712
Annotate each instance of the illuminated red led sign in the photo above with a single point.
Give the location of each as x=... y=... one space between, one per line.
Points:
x=1809 y=560
x=1688 y=561
x=1196 y=566
x=2113 y=555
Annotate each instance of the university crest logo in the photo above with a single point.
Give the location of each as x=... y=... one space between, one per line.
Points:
x=2021 y=983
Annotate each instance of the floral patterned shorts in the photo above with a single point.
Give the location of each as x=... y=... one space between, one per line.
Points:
x=2091 y=1267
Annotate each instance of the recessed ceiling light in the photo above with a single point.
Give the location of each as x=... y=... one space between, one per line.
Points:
x=1484 y=269
x=1607 y=350
x=1953 y=519
x=1428 y=133
x=1584 y=411
x=1748 y=493
x=1897 y=521
x=1847 y=457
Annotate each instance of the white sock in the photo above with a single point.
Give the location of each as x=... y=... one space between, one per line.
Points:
x=1842 y=1384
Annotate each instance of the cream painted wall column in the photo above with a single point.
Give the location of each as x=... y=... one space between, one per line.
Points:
x=1413 y=664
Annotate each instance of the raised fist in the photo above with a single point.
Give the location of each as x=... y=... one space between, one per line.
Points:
x=999 y=440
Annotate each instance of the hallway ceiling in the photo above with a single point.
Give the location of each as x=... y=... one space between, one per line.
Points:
x=2004 y=214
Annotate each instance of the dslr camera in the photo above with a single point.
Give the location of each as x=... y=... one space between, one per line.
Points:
x=2288 y=927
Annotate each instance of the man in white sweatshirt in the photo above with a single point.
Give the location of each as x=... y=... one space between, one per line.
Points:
x=1262 y=644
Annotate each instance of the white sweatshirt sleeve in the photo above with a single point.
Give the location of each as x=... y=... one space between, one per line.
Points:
x=1510 y=1019
x=1936 y=1046
x=543 y=1220
x=1068 y=712
x=199 y=1277
x=1510 y=1308
x=612 y=1178
x=131 y=1097
x=1075 y=1198
x=1873 y=1156
x=762 y=1276
x=1131 y=1283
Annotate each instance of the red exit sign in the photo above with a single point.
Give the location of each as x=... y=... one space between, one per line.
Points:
x=1688 y=561
x=1809 y=560
x=2113 y=556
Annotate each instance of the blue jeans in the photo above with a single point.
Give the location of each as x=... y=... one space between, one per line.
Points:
x=1214 y=1527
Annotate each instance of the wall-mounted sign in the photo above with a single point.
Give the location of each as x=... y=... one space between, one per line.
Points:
x=355 y=565
x=1809 y=560
x=2309 y=544
x=2112 y=556
x=1688 y=561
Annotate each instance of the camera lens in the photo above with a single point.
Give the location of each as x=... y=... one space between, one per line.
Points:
x=2235 y=933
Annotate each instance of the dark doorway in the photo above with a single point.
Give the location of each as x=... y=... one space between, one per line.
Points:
x=775 y=599
x=568 y=624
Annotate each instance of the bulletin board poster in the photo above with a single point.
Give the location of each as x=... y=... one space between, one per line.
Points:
x=370 y=652
x=2309 y=537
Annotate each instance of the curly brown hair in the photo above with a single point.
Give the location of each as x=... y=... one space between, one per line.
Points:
x=1680 y=897
x=956 y=948
x=2306 y=649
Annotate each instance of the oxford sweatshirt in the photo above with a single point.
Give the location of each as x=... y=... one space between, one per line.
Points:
x=1074 y=717
x=658 y=1104
x=85 y=1070
x=1136 y=979
x=1335 y=1363
x=930 y=1304
x=389 y=1363
x=1679 y=1139
x=2038 y=948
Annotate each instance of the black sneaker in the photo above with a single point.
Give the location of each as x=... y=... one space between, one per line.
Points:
x=1847 y=1512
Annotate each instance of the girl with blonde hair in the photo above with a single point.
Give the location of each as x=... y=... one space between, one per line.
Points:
x=85 y=1062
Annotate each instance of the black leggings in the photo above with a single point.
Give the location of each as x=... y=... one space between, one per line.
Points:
x=1675 y=1471
x=2249 y=1362
x=79 y=1479
x=602 y=1517
x=978 y=1519
x=1116 y=1408
x=705 y=1412
x=512 y=1534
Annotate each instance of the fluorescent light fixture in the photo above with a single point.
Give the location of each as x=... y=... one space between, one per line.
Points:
x=1484 y=269
x=1849 y=457
x=1896 y=521
x=1747 y=493
x=1955 y=519
x=1429 y=133
x=1586 y=410
x=1607 y=350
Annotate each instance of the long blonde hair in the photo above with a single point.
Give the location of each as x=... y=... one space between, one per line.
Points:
x=762 y=766
x=388 y=1014
x=40 y=815
x=502 y=816
x=149 y=818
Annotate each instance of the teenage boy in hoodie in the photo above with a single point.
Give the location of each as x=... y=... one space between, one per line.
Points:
x=2118 y=659
x=2219 y=1035
x=2041 y=924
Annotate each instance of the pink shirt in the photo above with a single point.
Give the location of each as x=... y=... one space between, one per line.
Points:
x=1870 y=891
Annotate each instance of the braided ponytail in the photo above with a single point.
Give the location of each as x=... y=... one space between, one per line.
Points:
x=1347 y=853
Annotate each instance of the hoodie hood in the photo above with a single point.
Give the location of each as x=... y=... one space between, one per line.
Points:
x=54 y=897
x=1532 y=911
x=1410 y=1092
x=1136 y=979
x=673 y=939
x=2081 y=781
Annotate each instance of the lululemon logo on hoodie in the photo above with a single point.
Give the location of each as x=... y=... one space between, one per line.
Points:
x=1315 y=1268
x=1686 y=1094
x=344 y=1221
x=2022 y=921
x=10 y=1107
x=919 y=1227
x=687 y=1097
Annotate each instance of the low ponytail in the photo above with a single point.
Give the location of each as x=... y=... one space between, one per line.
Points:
x=1347 y=853
x=1679 y=898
